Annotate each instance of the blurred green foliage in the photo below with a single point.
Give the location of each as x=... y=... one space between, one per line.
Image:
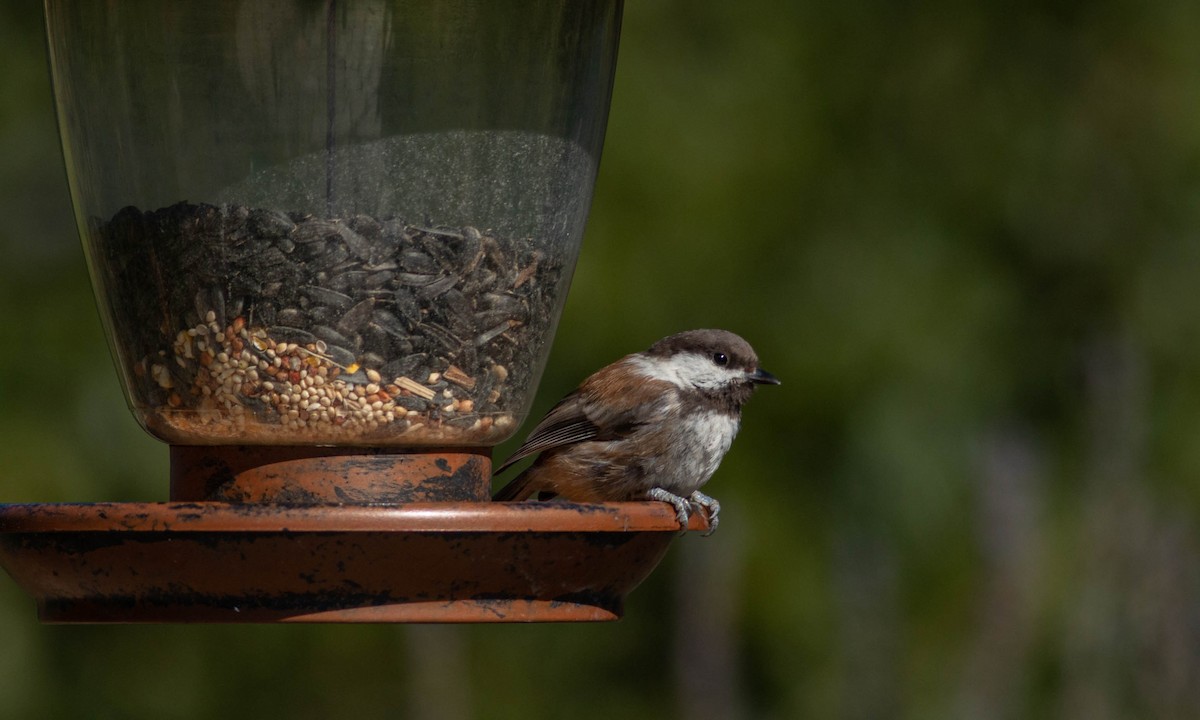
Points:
x=965 y=235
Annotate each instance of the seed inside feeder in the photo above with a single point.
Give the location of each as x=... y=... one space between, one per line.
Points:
x=273 y=327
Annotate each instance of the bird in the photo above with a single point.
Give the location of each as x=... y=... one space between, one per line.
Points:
x=653 y=425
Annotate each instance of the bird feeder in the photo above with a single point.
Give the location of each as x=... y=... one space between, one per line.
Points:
x=330 y=242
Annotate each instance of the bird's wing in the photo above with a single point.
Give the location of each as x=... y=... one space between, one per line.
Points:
x=579 y=417
x=565 y=424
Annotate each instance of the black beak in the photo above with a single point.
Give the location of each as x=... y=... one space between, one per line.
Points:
x=762 y=377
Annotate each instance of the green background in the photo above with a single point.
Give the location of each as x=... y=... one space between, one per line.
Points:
x=965 y=235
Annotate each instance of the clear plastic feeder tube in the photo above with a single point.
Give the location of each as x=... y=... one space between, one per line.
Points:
x=332 y=222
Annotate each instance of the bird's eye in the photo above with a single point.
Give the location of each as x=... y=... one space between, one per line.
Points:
x=721 y=359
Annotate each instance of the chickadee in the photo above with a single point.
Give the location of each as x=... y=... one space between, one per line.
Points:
x=654 y=425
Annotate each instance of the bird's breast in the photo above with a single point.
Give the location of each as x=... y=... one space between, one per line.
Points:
x=698 y=440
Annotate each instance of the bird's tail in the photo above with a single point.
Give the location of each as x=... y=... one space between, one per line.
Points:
x=519 y=489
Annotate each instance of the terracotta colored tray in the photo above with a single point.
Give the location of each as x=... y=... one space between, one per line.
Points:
x=421 y=562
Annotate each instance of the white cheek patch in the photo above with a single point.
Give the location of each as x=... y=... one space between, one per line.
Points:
x=687 y=370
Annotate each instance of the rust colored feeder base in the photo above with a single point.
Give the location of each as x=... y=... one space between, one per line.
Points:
x=261 y=562
x=305 y=475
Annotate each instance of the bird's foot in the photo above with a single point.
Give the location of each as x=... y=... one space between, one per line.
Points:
x=712 y=508
x=683 y=509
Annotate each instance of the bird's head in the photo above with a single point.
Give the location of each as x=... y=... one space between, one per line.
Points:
x=713 y=362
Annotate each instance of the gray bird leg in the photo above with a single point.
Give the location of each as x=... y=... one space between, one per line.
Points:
x=683 y=510
x=711 y=506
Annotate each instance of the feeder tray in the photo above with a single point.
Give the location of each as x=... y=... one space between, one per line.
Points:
x=424 y=562
x=212 y=560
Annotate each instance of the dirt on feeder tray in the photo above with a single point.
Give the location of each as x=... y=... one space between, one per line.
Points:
x=252 y=325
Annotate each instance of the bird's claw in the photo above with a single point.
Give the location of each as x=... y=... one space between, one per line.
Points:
x=711 y=507
x=683 y=509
